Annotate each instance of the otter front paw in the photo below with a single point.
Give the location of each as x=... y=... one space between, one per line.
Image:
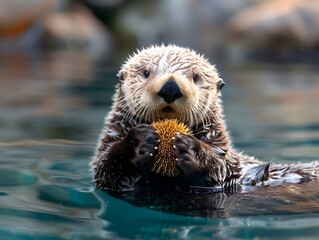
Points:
x=186 y=151
x=143 y=141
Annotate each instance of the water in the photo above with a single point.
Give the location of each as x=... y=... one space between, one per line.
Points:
x=52 y=110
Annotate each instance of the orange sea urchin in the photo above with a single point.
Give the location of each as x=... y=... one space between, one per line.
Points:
x=164 y=162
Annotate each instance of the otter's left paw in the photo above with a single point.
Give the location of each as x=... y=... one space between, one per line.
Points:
x=142 y=140
x=186 y=151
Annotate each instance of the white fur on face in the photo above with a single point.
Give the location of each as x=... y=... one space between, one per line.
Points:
x=199 y=99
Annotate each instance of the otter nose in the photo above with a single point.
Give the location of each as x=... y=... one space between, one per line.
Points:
x=170 y=91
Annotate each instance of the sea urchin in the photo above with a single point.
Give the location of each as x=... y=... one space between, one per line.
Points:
x=164 y=161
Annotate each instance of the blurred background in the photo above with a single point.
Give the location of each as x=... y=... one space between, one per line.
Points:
x=58 y=59
x=281 y=31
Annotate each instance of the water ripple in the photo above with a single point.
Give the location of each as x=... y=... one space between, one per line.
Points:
x=16 y=177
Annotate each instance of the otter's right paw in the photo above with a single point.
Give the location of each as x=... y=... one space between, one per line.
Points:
x=186 y=148
x=143 y=141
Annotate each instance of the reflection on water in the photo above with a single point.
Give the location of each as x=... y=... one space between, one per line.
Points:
x=270 y=212
x=285 y=199
x=52 y=110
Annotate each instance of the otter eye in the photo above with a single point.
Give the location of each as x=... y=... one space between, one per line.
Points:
x=195 y=78
x=146 y=73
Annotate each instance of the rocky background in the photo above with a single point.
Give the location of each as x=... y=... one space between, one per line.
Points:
x=232 y=31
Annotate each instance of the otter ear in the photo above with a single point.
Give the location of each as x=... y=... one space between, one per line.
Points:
x=220 y=84
x=120 y=76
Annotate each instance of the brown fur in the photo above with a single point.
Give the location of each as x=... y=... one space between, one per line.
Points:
x=127 y=142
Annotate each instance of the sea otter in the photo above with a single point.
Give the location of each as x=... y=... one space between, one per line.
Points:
x=171 y=82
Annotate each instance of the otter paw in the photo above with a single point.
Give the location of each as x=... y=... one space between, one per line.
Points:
x=143 y=141
x=186 y=146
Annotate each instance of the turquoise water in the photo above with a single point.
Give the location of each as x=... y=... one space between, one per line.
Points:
x=52 y=110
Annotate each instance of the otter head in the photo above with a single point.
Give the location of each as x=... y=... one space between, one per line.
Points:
x=170 y=82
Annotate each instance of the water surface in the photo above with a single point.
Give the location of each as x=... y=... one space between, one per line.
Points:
x=52 y=110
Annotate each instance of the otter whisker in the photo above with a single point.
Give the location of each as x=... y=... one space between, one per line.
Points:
x=201 y=111
x=156 y=114
x=145 y=113
x=193 y=116
x=136 y=111
x=132 y=113
x=128 y=113
x=130 y=105
x=141 y=114
x=204 y=117
x=208 y=112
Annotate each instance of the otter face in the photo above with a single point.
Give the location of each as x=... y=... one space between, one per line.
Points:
x=170 y=82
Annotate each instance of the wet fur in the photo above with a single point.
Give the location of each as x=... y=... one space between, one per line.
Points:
x=206 y=158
